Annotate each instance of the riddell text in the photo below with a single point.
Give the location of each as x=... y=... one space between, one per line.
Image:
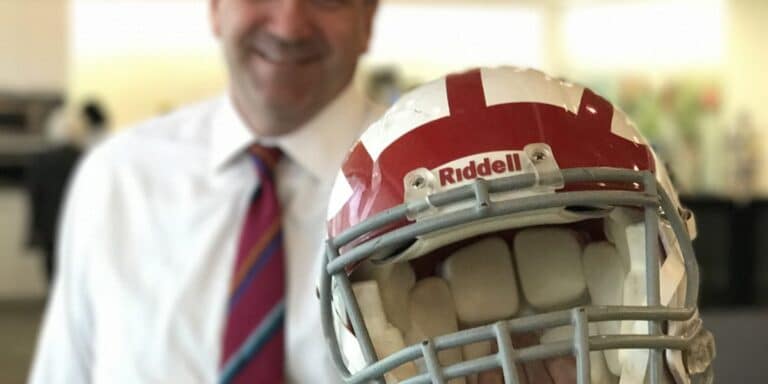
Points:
x=473 y=170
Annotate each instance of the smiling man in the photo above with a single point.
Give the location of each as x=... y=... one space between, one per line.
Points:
x=288 y=59
x=189 y=243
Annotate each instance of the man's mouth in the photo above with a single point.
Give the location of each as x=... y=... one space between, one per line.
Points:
x=280 y=58
x=287 y=53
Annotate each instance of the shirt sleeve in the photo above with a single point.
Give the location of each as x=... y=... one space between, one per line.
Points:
x=64 y=348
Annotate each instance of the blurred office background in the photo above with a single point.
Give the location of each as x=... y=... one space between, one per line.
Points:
x=692 y=73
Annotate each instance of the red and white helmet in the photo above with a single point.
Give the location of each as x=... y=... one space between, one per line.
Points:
x=500 y=202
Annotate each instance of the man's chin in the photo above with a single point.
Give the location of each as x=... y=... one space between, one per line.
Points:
x=288 y=101
x=289 y=87
x=287 y=114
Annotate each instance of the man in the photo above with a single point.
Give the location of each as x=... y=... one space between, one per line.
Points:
x=152 y=226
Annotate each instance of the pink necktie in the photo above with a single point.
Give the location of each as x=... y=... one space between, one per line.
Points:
x=253 y=349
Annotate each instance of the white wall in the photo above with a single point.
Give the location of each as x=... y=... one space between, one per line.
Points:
x=456 y=37
x=746 y=77
x=644 y=36
x=33 y=45
x=143 y=57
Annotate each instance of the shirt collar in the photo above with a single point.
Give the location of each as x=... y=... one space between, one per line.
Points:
x=318 y=146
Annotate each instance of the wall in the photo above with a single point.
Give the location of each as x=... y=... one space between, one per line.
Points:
x=33 y=45
x=142 y=58
x=746 y=78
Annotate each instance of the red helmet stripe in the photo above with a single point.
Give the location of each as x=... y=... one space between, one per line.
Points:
x=358 y=165
x=465 y=92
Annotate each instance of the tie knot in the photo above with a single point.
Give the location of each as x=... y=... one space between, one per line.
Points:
x=266 y=158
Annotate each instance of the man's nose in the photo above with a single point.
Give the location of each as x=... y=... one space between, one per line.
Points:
x=291 y=19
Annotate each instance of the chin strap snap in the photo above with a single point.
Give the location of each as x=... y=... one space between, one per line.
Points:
x=694 y=364
x=699 y=357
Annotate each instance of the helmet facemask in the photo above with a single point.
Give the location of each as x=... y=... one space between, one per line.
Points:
x=364 y=286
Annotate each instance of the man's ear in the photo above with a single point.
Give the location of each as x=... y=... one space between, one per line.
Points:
x=369 y=13
x=213 y=16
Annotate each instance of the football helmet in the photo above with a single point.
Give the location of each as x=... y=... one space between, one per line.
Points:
x=499 y=202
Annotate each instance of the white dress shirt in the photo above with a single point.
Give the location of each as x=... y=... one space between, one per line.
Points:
x=148 y=244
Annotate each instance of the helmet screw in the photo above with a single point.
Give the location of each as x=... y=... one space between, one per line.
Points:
x=419 y=182
x=539 y=156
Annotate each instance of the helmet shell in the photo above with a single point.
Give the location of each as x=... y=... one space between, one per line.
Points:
x=480 y=120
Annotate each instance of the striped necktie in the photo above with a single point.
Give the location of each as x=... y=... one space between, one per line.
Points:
x=253 y=338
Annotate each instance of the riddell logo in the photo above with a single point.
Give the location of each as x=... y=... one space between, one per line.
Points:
x=484 y=168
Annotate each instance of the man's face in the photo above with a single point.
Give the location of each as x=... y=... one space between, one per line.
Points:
x=287 y=59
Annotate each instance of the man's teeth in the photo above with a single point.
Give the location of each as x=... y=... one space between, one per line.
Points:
x=285 y=57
